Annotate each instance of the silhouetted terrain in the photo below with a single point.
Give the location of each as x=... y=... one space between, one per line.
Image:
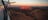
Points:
x=36 y=13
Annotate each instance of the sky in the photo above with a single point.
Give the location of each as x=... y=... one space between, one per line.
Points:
x=29 y=2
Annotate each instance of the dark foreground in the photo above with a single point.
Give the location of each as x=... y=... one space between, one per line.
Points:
x=34 y=13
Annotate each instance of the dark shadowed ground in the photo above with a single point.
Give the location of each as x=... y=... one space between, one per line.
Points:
x=40 y=13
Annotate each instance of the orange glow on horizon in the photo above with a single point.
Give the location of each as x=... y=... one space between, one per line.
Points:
x=24 y=7
x=28 y=4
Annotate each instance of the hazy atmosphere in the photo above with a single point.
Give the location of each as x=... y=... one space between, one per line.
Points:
x=27 y=2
